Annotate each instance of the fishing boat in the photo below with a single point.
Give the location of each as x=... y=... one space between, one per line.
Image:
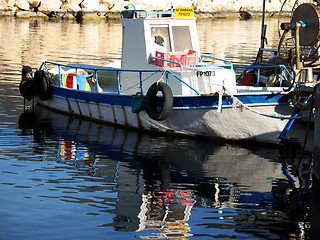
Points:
x=164 y=84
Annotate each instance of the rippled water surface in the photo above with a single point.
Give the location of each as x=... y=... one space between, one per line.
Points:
x=63 y=178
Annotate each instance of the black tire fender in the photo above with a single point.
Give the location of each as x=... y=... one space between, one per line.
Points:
x=27 y=86
x=42 y=85
x=296 y=97
x=155 y=111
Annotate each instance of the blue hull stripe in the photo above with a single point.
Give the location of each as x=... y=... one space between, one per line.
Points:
x=179 y=101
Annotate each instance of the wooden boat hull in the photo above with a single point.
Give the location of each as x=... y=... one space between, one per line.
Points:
x=190 y=116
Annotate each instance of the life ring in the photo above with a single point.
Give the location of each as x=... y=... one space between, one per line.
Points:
x=27 y=87
x=42 y=85
x=153 y=110
x=296 y=97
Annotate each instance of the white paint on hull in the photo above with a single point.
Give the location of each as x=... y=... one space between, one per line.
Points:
x=230 y=123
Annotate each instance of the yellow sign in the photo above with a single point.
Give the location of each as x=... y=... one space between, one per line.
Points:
x=184 y=12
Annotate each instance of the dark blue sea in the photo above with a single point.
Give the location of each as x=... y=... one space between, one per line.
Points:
x=65 y=178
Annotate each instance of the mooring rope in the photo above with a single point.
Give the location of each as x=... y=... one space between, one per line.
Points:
x=236 y=103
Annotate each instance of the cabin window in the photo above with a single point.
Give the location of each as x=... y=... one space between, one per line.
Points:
x=181 y=38
x=161 y=38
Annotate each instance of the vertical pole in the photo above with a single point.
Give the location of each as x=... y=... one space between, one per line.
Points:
x=97 y=80
x=263 y=34
x=263 y=26
x=316 y=162
x=298 y=60
x=171 y=8
x=118 y=82
x=140 y=77
x=258 y=76
x=60 y=77
x=315 y=192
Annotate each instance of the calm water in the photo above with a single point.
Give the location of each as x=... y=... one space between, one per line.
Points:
x=62 y=178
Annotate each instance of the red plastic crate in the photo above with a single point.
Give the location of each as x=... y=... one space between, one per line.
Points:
x=175 y=57
x=191 y=58
x=187 y=57
x=162 y=55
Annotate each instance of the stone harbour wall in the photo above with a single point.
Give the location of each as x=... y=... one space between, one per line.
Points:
x=206 y=8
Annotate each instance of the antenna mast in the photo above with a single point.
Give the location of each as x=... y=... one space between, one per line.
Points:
x=171 y=7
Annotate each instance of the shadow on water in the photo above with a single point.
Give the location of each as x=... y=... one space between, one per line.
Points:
x=182 y=188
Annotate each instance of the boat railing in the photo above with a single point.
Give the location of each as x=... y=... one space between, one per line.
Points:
x=284 y=73
x=152 y=59
x=96 y=69
x=226 y=63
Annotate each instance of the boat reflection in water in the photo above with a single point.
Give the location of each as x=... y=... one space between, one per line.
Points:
x=178 y=188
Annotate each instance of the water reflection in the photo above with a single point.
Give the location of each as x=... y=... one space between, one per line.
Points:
x=163 y=188
x=63 y=178
x=34 y=40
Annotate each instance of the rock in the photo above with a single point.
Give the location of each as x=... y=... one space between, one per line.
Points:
x=148 y=5
x=7 y=13
x=206 y=7
x=22 y=4
x=103 y=8
x=50 y=5
x=90 y=5
x=109 y=4
x=71 y=7
x=118 y=6
x=10 y=3
x=179 y=3
x=28 y=14
x=3 y=5
x=34 y=3
x=74 y=2
x=276 y=6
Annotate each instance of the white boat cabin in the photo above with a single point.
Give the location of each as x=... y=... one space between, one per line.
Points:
x=160 y=40
x=143 y=37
